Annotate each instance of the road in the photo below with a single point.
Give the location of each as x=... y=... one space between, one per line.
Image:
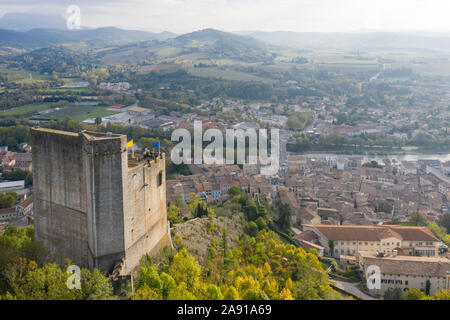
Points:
x=375 y=77
x=285 y=135
x=296 y=231
x=352 y=288
x=136 y=104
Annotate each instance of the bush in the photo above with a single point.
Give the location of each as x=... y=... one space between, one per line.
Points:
x=414 y=294
x=234 y=191
x=329 y=262
x=352 y=274
x=384 y=206
x=394 y=294
x=7 y=201
x=252 y=229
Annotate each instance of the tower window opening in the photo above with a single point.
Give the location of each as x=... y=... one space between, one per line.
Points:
x=159 y=179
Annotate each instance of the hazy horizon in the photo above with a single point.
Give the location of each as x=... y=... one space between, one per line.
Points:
x=182 y=16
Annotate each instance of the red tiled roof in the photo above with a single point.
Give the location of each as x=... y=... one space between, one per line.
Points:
x=308 y=235
x=389 y=233
x=309 y=245
x=7 y=210
x=22 y=165
x=199 y=187
x=236 y=184
x=373 y=233
x=184 y=125
x=208 y=125
x=405 y=265
x=27 y=202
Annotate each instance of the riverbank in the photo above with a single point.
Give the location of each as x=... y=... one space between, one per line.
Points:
x=371 y=150
x=398 y=157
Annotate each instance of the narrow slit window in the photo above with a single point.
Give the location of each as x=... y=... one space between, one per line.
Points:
x=159 y=179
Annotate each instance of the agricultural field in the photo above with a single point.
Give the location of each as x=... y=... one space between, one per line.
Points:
x=441 y=68
x=23 y=76
x=34 y=77
x=159 y=68
x=350 y=67
x=74 y=83
x=167 y=52
x=284 y=67
x=225 y=74
x=76 y=113
x=231 y=62
x=75 y=90
x=25 y=111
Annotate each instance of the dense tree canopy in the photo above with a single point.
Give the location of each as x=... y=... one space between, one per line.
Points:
x=26 y=272
x=260 y=268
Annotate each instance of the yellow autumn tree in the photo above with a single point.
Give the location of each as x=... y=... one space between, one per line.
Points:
x=185 y=269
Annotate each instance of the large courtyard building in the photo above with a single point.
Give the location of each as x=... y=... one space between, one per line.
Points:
x=428 y=274
x=96 y=204
x=338 y=240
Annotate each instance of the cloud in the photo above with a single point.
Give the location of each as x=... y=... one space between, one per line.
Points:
x=231 y=15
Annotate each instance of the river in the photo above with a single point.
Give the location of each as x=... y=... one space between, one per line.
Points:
x=397 y=157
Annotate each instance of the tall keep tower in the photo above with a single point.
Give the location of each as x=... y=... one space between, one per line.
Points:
x=95 y=205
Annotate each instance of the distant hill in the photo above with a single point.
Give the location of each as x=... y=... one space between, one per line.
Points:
x=200 y=47
x=46 y=37
x=215 y=37
x=225 y=45
x=363 y=40
x=19 y=21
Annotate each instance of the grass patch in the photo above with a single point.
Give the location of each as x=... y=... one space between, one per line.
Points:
x=351 y=274
x=351 y=67
x=26 y=110
x=77 y=113
x=225 y=74
x=167 y=52
x=96 y=113
x=433 y=69
x=24 y=77
x=67 y=90
x=231 y=62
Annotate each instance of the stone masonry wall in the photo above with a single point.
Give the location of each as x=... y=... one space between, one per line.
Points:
x=60 y=194
x=146 y=227
x=105 y=164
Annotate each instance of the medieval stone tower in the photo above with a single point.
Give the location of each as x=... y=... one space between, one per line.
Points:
x=95 y=204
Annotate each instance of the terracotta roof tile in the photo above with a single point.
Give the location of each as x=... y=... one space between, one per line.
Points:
x=372 y=233
x=406 y=265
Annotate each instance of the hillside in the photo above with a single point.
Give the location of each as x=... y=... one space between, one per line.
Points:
x=211 y=38
x=21 y=21
x=199 y=234
x=45 y=37
x=352 y=41
x=193 y=48
x=220 y=44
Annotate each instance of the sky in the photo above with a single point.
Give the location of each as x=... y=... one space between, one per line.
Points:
x=181 y=16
